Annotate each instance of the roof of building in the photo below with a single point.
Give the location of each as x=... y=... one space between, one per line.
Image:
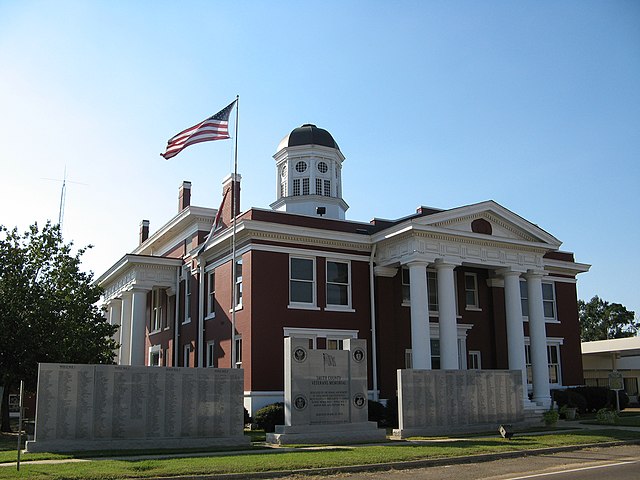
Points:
x=629 y=346
x=308 y=134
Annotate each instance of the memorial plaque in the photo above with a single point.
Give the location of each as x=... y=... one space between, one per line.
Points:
x=172 y=402
x=326 y=394
x=154 y=425
x=84 y=401
x=189 y=398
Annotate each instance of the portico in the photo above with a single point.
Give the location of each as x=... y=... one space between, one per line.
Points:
x=484 y=236
x=129 y=283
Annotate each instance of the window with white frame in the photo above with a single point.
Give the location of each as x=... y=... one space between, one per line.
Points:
x=155 y=356
x=471 y=290
x=406 y=286
x=553 y=357
x=305 y=186
x=296 y=187
x=524 y=298
x=408 y=358
x=238 y=353
x=549 y=300
x=211 y=354
x=318 y=186
x=432 y=288
x=327 y=188
x=186 y=357
x=338 y=285
x=156 y=311
x=435 y=353
x=475 y=360
x=553 y=361
x=211 y=294
x=335 y=343
x=238 y=283
x=302 y=281
x=187 y=297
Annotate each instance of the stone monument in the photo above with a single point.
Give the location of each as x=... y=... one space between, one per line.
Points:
x=437 y=402
x=94 y=407
x=325 y=394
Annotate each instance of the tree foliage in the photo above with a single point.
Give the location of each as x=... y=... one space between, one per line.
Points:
x=601 y=320
x=48 y=308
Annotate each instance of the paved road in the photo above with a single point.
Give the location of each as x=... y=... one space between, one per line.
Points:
x=619 y=463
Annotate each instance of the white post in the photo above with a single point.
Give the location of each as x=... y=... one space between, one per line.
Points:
x=447 y=316
x=420 y=335
x=515 y=329
x=138 y=327
x=538 y=337
x=115 y=317
x=125 y=330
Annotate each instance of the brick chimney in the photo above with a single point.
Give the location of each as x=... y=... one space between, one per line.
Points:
x=230 y=181
x=184 y=196
x=144 y=231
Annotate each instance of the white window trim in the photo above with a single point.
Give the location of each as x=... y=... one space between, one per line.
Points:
x=336 y=307
x=525 y=318
x=303 y=305
x=551 y=342
x=478 y=355
x=476 y=306
x=210 y=356
x=238 y=343
x=211 y=300
x=155 y=349
x=156 y=309
x=186 y=354
x=314 y=333
x=187 y=298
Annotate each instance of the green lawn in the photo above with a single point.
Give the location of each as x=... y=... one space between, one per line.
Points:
x=304 y=459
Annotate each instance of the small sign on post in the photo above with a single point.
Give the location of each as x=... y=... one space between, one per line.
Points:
x=20 y=422
x=616 y=384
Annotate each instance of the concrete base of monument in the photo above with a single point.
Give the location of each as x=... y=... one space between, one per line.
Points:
x=362 y=432
x=451 y=430
x=135 y=444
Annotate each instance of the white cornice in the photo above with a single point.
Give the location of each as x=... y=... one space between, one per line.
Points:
x=564 y=267
x=184 y=223
x=129 y=260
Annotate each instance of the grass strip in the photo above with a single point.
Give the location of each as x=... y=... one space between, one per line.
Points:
x=305 y=459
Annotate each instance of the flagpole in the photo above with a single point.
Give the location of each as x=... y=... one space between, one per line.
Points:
x=233 y=240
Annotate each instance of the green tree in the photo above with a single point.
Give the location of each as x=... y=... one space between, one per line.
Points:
x=48 y=308
x=601 y=320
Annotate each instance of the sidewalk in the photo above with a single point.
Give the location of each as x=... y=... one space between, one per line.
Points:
x=263 y=448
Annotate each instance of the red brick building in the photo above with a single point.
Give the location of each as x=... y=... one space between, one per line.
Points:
x=471 y=287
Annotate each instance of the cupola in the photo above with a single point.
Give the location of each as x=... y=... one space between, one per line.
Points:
x=309 y=174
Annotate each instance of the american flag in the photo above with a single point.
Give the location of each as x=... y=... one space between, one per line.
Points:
x=213 y=128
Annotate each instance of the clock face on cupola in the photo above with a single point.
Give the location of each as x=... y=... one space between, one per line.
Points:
x=309 y=174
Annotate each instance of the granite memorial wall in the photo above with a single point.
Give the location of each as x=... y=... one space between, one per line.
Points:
x=85 y=407
x=444 y=401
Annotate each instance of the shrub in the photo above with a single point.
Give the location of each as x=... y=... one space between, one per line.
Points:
x=570 y=398
x=550 y=417
x=607 y=417
x=377 y=413
x=391 y=413
x=596 y=397
x=247 y=417
x=268 y=417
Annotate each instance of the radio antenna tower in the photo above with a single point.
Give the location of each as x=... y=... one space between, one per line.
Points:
x=63 y=194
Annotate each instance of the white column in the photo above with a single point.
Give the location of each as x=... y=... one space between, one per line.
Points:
x=138 y=327
x=115 y=317
x=447 y=316
x=515 y=329
x=538 y=338
x=125 y=330
x=420 y=336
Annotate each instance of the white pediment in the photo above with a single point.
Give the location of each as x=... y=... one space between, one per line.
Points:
x=505 y=225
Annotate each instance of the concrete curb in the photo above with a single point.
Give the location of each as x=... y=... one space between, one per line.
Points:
x=436 y=462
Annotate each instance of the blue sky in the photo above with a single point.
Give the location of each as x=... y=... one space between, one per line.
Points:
x=535 y=105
